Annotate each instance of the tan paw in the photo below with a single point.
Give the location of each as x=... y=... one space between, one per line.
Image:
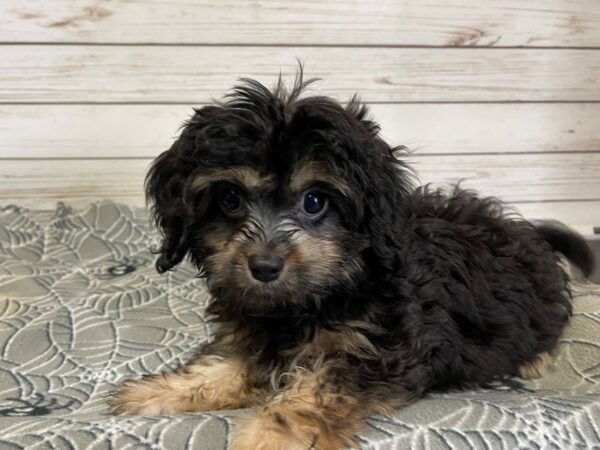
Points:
x=140 y=397
x=207 y=383
x=285 y=430
x=259 y=433
x=537 y=367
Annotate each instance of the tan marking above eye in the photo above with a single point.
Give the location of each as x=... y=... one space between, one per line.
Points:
x=245 y=177
x=308 y=173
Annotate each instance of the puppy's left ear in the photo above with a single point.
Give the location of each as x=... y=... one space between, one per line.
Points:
x=386 y=182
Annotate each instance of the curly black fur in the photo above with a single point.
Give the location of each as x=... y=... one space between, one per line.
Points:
x=452 y=290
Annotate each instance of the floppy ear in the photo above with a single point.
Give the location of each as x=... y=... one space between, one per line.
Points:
x=386 y=182
x=387 y=185
x=168 y=190
x=165 y=189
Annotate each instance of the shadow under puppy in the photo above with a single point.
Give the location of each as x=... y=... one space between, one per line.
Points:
x=339 y=290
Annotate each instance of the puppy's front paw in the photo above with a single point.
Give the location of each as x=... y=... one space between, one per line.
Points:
x=205 y=384
x=140 y=397
x=281 y=429
x=263 y=433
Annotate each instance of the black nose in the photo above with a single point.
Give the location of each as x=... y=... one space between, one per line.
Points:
x=265 y=268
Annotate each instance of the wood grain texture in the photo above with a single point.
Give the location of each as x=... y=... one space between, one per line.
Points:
x=518 y=178
x=333 y=22
x=145 y=130
x=33 y=73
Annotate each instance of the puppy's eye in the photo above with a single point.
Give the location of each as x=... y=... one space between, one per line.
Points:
x=230 y=199
x=314 y=203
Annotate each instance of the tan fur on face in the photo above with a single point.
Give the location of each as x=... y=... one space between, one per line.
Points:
x=244 y=177
x=227 y=249
x=208 y=383
x=310 y=262
x=538 y=367
x=312 y=413
x=310 y=172
x=322 y=257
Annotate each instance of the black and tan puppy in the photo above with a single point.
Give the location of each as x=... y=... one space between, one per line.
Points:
x=338 y=288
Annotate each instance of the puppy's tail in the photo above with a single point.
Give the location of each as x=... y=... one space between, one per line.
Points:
x=568 y=242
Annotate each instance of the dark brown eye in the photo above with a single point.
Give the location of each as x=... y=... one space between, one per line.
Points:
x=314 y=202
x=231 y=199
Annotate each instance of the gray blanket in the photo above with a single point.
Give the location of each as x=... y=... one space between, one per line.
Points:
x=82 y=308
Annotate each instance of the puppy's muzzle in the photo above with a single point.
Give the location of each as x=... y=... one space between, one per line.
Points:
x=265 y=268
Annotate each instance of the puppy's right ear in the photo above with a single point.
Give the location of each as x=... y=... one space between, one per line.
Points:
x=168 y=191
x=165 y=190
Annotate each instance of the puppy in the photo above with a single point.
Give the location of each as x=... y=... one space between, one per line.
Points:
x=338 y=288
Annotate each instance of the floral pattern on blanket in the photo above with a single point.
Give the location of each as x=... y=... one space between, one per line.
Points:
x=82 y=308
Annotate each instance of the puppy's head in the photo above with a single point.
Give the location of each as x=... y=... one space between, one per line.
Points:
x=278 y=199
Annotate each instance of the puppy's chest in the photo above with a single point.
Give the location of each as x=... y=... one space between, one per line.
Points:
x=320 y=347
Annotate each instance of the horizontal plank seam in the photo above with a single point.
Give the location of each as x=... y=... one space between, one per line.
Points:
x=410 y=153
x=416 y=152
x=395 y=102
x=79 y=158
x=291 y=45
x=570 y=200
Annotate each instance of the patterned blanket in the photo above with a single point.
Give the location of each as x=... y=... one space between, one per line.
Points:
x=82 y=308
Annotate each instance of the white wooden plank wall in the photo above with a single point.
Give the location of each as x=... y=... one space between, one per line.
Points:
x=504 y=94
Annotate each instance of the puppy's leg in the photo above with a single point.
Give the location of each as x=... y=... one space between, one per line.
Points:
x=316 y=411
x=537 y=367
x=206 y=383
